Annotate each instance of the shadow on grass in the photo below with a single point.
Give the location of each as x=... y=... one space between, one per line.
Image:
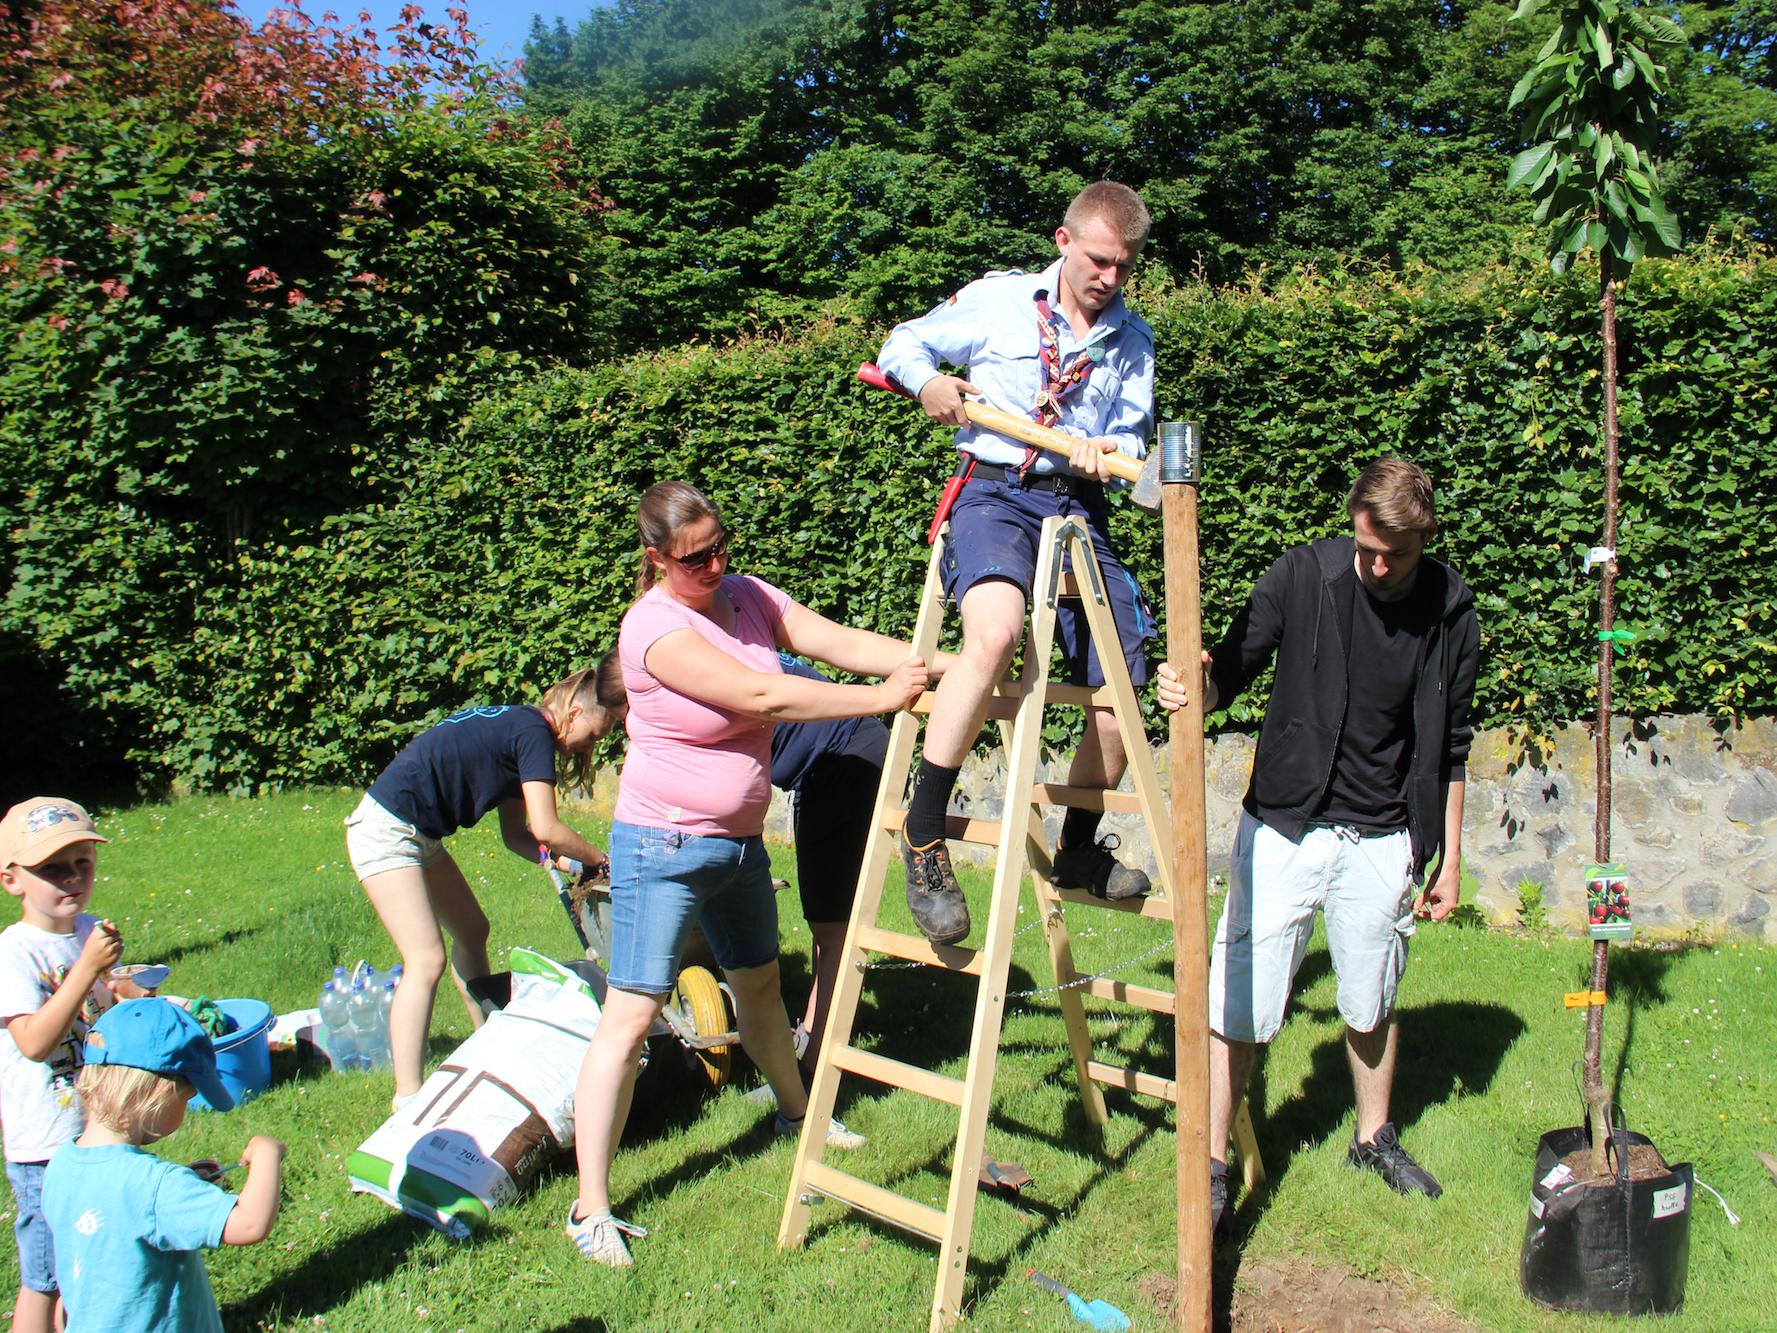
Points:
x=329 y=1277
x=222 y=941
x=1447 y=1050
x=582 y=1325
x=1638 y=979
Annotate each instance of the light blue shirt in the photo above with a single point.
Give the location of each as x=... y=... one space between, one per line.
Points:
x=990 y=327
x=128 y=1228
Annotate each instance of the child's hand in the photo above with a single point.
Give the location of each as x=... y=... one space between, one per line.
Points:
x=103 y=949
x=262 y=1150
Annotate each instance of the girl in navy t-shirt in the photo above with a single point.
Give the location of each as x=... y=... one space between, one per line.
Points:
x=501 y=758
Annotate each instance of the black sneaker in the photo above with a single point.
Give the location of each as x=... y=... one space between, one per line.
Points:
x=933 y=895
x=1095 y=870
x=1385 y=1156
x=1220 y=1215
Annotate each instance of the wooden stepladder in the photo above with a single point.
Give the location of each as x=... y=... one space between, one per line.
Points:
x=1018 y=705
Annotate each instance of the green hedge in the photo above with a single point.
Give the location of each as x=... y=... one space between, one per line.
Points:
x=509 y=559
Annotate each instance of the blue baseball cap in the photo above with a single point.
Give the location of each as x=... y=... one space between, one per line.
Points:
x=157 y=1035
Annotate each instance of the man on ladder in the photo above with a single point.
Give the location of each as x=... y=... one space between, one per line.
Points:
x=1062 y=347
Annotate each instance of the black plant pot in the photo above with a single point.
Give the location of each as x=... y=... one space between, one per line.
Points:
x=1616 y=1246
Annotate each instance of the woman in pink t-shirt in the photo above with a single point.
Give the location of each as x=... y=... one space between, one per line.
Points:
x=699 y=654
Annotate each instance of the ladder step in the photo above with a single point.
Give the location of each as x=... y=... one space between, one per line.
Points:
x=1003 y=703
x=986 y=832
x=903 y=1212
x=918 y=949
x=1144 y=997
x=1154 y=905
x=1086 y=798
x=898 y=1074
x=1132 y=1080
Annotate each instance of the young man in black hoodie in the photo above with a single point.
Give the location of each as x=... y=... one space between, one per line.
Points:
x=1356 y=788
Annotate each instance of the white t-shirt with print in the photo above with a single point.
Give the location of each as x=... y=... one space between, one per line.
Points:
x=39 y=1109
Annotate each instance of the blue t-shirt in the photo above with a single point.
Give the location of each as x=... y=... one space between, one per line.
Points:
x=795 y=746
x=128 y=1229
x=452 y=774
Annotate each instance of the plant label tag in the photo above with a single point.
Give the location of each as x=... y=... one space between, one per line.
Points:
x=1536 y=1207
x=1607 y=901
x=1668 y=1202
x=1558 y=1178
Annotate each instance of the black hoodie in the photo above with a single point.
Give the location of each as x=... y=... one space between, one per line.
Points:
x=1300 y=612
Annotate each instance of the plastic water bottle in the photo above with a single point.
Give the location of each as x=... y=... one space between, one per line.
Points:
x=369 y=1026
x=336 y=1023
x=395 y=975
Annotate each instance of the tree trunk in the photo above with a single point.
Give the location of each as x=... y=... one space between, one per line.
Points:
x=1596 y=1097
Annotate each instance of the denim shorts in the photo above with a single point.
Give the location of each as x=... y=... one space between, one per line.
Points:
x=1363 y=886
x=663 y=880
x=37 y=1251
x=994 y=527
x=377 y=840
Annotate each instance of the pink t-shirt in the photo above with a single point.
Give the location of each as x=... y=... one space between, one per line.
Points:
x=693 y=766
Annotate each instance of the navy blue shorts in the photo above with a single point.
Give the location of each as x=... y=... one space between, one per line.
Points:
x=994 y=527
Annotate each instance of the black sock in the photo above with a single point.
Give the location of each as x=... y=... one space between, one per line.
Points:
x=1079 y=827
x=931 y=799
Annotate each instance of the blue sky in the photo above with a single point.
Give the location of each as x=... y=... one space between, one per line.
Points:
x=502 y=25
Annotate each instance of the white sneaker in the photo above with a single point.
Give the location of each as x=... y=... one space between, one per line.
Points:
x=838 y=1136
x=601 y=1238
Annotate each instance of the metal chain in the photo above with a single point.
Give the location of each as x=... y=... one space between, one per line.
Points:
x=1096 y=976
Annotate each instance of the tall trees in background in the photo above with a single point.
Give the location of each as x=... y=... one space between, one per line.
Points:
x=247 y=275
x=773 y=154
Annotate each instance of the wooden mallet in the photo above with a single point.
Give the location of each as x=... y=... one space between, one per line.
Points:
x=1144 y=473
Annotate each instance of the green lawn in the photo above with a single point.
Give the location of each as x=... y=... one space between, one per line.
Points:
x=255 y=898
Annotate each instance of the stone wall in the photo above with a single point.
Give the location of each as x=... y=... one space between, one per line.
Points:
x=1693 y=809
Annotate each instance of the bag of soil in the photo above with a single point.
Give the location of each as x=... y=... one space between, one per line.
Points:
x=492 y=1115
x=1616 y=1245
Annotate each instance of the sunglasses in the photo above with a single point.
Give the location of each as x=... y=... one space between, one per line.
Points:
x=698 y=559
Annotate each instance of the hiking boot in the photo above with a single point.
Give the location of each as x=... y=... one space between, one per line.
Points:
x=838 y=1136
x=601 y=1238
x=1220 y=1215
x=1385 y=1156
x=933 y=896
x=1095 y=870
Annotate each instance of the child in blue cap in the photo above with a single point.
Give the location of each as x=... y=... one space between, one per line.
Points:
x=128 y=1226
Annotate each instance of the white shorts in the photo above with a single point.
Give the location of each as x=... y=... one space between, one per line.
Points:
x=377 y=841
x=1363 y=885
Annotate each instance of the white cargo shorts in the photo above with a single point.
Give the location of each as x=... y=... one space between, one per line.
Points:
x=1364 y=887
x=377 y=841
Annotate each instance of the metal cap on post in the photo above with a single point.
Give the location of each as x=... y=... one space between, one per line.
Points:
x=1181 y=452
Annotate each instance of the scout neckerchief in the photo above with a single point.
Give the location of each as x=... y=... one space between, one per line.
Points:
x=1058 y=380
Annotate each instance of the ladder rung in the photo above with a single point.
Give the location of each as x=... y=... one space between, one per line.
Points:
x=1132 y=1080
x=986 y=832
x=898 y=1074
x=1002 y=703
x=1086 y=798
x=1145 y=997
x=1082 y=696
x=1153 y=905
x=875 y=1200
x=917 y=949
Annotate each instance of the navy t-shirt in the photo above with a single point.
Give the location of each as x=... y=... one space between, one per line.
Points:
x=452 y=774
x=795 y=746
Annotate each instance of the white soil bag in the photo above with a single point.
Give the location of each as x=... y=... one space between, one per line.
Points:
x=494 y=1113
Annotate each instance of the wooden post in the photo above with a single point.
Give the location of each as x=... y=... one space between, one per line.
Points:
x=1180 y=445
